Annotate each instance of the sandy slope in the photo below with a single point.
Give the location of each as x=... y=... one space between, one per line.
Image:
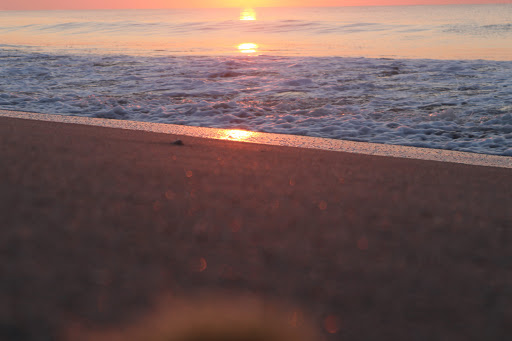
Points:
x=97 y=224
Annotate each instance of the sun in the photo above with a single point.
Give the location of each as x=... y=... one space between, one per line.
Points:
x=248 y=14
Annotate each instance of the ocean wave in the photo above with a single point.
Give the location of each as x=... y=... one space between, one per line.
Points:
x=191 y=28
x=480 y=30
x=458 y=105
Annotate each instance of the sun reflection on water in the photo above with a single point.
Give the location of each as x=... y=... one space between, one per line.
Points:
x=248 y=47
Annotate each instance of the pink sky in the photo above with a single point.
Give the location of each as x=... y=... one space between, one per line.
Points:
x=101 y=4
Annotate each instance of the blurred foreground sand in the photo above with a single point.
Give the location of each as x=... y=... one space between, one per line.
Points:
x=99 y=225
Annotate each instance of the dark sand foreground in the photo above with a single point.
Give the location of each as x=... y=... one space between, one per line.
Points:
x=97 y=224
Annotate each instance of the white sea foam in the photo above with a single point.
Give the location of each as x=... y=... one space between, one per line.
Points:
x=457 y=105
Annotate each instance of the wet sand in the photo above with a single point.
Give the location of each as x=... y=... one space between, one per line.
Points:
x=99 y=223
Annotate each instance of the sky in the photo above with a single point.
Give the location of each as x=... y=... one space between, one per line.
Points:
x=118 y=4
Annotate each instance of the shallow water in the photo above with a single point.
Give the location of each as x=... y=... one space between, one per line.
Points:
x=298 y=76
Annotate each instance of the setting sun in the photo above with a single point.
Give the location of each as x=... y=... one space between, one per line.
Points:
x=248 y=14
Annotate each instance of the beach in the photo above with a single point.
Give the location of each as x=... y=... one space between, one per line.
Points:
x=100 y=223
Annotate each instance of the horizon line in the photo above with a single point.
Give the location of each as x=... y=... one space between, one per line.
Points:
x=238 y=7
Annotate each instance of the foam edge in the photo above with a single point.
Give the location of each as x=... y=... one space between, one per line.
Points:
x=365 y=148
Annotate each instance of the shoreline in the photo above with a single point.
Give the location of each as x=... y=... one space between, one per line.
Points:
x=364 y=148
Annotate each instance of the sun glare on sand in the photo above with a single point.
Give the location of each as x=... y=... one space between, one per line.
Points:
x=236 y=135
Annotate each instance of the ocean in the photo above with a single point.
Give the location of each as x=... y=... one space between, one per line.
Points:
x=425 y=76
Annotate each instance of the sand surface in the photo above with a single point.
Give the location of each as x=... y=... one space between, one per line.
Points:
x=97 y=224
